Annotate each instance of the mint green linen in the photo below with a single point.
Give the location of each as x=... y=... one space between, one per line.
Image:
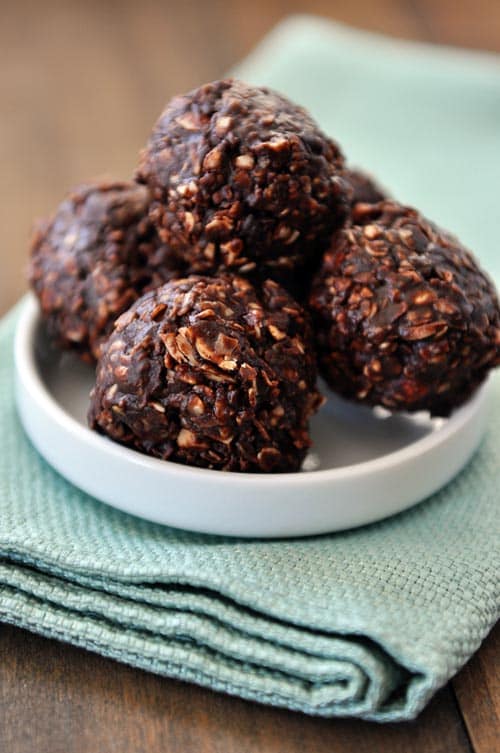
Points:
x=369 y=622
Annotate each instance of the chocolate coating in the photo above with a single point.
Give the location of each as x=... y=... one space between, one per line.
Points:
x=93 y=259
x=243 y=181
x=210 y=372
x=405 y=318
x=363 y=187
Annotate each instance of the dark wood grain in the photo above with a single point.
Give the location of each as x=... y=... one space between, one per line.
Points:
x=57 y=698
x=477 y=688
x=80 y=85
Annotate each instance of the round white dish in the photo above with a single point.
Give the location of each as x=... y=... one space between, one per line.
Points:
x=365 y=464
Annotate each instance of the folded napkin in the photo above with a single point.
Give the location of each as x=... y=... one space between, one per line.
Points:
x=368 y=622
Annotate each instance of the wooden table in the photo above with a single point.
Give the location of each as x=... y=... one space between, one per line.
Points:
x=80 y=85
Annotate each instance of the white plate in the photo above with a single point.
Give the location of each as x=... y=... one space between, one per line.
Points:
x=365 y=464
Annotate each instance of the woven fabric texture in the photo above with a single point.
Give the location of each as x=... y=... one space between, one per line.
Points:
x=368 y=622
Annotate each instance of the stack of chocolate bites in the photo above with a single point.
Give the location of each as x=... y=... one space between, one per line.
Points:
x=244 y=257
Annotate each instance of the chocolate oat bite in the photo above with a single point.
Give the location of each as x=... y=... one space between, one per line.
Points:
x=210 y=372
x=243 y=181
x=93 y=259
x=405 y=318
x=363 y=187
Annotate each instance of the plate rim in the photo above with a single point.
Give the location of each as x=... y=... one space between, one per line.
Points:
x=26 y=370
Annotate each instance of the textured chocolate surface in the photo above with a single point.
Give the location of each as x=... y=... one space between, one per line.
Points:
x=93 y=259
x=243 y=181
x=210 y=372
x=363 y=187
x=404 y=316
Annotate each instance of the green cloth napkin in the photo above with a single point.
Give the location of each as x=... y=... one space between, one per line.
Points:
x=369 y=622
